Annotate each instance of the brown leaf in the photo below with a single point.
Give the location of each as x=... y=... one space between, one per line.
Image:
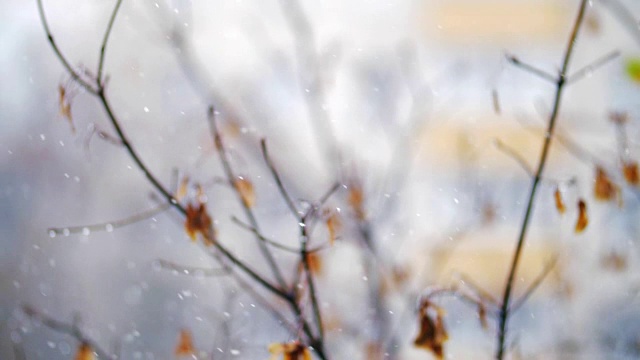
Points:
x=559 y=202
x=245 y=189
x=583 y=220
x=185 y=344
x=433 y=334
x=614 y=262
x=85 y=352
x=333 y=226
x=356 y=201
x=290 y=351
x=482 y=315
x=64 y=104
x=618 y=117
x=630 y=172
x=315 y=262
x=604 y=189
x=197 y=222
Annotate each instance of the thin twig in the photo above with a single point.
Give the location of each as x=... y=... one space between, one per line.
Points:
x=269 y=241
x=534 y=285
x=589 y=69
x=531 y=69
x=512 y=153
x=69 y=329
x=276 y=177
x=231 y=178
x=108 y=225
x=304 y=256
x=189 y=270
x=560 y=84
x=105 y=39
x=74 y=74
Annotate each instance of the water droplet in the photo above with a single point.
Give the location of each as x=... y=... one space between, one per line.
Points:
x=51 y=344
x=86 y=231
x=146 y=109
x=108 y=227
x=42 y=137
x=234 y=352
x=66 y=232
x=52 y=233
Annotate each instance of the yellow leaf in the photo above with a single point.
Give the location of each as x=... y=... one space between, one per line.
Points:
x=583 y=220
x=183 y=188
x=245 y=189
x=84 y=352
x=185 y=344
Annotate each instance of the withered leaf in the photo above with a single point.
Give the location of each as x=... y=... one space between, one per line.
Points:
x=559 y=202
x=185 y=344
x=356 y=201
x=618 y=117
x=614 y=262
x=85 y=352
x=482 y=315
x=630 y=172
x=604 y=189
x=432 y=334
x=290 y=351
x=197 y=222
x=183 y=188
x=244 y=187
x=583 y=220
x=315 y=262
x=333 y=226
x=64 y=104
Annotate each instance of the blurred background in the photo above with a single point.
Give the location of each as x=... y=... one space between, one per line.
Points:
x=413 y=101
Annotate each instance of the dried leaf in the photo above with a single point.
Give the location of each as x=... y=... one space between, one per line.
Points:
x=592 y=23
x=185 y=344
x=433 y=334
x=183 y=188
x=290 y=351
x=618 y=117
x=374 y=351
x=333 y=226
x=245 y=189
x=315 y=262
x=65 y=106
x=197 y=222
x=482 y=315
x=630 y=171
x=356 y=201
x=559 y=202
x=85 y=352
x=583 y=220
x=604 y=189
x=614 y=262
x=488 y=213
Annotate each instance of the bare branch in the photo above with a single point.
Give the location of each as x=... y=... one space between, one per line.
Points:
x=69 y=329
